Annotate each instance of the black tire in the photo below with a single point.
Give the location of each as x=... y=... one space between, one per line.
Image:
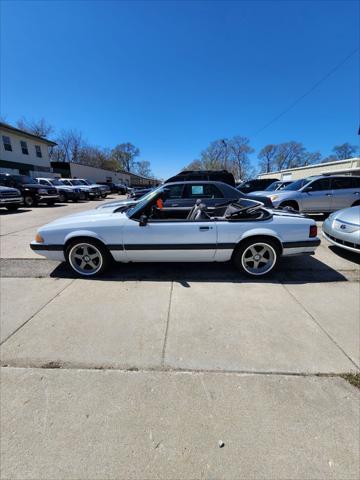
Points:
x=62 y=197
x=242 y=256
x=103 y=195
x=29 y=201
x=83 y=196
x=75 y=200
x=76 y=249
x=356 y=204
x=12 y=208
x=50 y=203
x=290 y=204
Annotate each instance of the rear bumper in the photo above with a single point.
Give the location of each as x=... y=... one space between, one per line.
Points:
x=300 y=248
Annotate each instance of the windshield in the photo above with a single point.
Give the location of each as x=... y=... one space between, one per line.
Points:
x=298 y=184
x=55 y=181
x=273 y=186
x=77 y=182
x=143 y=200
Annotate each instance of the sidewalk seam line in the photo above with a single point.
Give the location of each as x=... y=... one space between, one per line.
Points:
x=167 y=326
x=38 y=311
x=321 y=327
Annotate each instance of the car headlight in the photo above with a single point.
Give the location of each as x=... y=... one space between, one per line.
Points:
x=42 y=191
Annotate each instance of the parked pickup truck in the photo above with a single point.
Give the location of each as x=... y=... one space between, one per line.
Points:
x=32 y=192
x=10 y=198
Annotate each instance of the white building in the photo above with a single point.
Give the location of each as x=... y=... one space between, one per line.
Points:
x=24 y=153
x=351 y=166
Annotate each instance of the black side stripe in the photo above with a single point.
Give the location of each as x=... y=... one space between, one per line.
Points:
x=179 y=246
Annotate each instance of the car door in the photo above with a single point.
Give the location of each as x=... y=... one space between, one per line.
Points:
x=170 y=241
x=316 y=196
x=344 y=192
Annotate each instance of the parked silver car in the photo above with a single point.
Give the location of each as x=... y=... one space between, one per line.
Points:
x=319 y=194
x=273 y=187
x=10 y=198
x=342 y=229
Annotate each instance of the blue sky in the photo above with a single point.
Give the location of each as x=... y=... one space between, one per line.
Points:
x=172 y=76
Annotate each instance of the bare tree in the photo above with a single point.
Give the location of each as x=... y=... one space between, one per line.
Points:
x=125 y=154
x=267 y=157
x=143 y=168
x=41 y=127
x=69 y=147
x=240 y=150
x=289 y=155
x=344 y=151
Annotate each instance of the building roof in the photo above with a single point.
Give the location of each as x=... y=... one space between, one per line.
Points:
x=354 y=162
x=11 y=129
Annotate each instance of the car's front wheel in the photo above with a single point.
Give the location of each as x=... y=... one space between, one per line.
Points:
x=29 y=201
x=256 y=257
x=87 y=257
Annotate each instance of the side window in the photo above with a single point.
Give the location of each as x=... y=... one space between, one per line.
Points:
x=7 y=143
x=355 y=182
x=319 y=185
x=205 y=190
x=175 y=191
x=339 y=183
x=43 y=182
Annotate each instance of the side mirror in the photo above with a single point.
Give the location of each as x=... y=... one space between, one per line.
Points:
x=307 y=189
x=143 y=221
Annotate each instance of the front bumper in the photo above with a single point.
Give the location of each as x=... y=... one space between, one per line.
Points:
x=51 y=252
x=43 y=198
x=352 y=247
x=11 y=201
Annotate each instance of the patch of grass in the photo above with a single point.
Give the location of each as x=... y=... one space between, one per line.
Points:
x=353 y=378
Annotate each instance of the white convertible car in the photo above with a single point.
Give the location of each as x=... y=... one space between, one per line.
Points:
x=246 y=232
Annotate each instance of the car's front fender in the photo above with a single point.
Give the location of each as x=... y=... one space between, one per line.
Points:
x=83 y=233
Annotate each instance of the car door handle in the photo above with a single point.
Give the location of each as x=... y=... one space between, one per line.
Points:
x=328 y=194
x=204 y=228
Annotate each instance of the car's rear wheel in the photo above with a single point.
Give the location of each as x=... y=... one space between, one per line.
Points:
x=256 y=257
x=87 y=257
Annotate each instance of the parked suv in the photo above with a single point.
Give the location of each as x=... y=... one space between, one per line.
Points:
x=32 y=192
x=256 y=185
x=65 y=193
x=208 y=175
x=10 y=198
x=319 y=194
x=88 y=192
x=104 y=189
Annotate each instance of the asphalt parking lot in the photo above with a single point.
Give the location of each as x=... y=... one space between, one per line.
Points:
x=141 y=373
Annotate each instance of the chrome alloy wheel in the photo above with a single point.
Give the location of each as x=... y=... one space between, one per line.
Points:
x=85 y=259
x=258 y=258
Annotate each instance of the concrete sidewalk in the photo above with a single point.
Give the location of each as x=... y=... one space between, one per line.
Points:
x=85 y=425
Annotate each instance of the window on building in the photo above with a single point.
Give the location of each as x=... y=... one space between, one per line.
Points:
x=7 y=143
x=24 y=147
x=38 y=151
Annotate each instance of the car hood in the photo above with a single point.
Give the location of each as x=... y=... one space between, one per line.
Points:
x=36 y=186
x=264 y=193
x=348 y=215
x=116 y=204
x=8 y=189
x=82 y=218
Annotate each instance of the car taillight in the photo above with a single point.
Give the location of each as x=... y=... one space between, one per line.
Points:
x=313 y=231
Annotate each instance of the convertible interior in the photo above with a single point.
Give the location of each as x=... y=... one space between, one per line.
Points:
x=241 y=210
